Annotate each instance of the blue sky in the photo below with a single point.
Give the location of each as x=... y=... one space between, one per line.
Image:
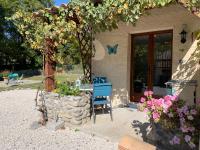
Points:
x=59 y=2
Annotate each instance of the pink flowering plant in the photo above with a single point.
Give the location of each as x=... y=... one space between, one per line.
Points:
x=174 y=114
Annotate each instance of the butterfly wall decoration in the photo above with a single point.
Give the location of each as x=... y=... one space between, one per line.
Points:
x=112 y=49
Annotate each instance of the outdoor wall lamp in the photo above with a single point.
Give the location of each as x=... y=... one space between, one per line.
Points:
x=183 y=34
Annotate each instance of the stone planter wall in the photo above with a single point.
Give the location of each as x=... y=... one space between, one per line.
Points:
x=74 y=110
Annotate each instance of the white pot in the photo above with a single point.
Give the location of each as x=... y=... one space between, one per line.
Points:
x=5 y=80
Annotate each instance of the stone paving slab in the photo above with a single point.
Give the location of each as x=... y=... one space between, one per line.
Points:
x=126 y=121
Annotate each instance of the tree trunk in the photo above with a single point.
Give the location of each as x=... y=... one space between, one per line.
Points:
x=49 y=66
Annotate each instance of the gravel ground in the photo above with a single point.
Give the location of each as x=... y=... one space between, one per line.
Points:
x=17 y=114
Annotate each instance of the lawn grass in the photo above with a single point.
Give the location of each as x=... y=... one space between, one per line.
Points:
x=71 y=75
x=61 y=77
x=25 y=86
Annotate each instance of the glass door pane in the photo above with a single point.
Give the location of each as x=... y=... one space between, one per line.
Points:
x=140 y=65
x=162 y=62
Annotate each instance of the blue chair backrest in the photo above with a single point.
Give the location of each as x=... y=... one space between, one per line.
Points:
x=99 y=80
x=102 y=89
x=13 y=76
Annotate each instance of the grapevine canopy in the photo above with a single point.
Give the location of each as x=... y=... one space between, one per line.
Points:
x=61 y=24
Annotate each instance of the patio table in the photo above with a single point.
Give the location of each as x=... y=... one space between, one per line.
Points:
x=173 y=83
x=86 y=87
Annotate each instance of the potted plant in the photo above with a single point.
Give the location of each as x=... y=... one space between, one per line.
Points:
x=179 y=120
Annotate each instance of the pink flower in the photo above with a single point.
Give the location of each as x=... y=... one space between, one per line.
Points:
x=174 y=98
x=167 y=104
x=161 y=101
x=153 y=107
x=149 y=103
x=156 y=115
x=148 y=93
x=145 y=110
x=187 y=138
x=158 y=102
x=165 y=109
x=175 y=140
x=167 y=98
x=142 y=100
x=167 y=101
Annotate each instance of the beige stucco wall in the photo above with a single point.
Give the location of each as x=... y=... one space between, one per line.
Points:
x=117 y=67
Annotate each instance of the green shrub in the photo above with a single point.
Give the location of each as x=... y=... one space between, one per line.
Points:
x=1 y=77
x=5 y=74
x=66 y=89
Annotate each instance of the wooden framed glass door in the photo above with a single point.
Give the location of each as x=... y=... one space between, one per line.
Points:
x=151 y=63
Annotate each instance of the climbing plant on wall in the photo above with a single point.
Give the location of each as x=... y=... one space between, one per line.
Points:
x=78 y=21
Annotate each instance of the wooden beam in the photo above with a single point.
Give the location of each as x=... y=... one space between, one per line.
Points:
x=49 y=68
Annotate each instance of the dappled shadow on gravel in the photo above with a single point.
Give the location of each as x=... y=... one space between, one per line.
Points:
x=141 y=128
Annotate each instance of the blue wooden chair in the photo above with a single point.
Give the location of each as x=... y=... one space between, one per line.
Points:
x=97 y=79
x=13 y=76
x=100 y=96
x=14 y=79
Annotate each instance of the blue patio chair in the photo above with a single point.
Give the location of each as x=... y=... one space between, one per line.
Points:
x=100 y=96
x=98 y=79
x=13 y=76
x=14 y=79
